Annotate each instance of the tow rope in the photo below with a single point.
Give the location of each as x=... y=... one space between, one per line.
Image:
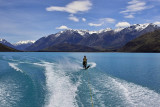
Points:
x=90 y=89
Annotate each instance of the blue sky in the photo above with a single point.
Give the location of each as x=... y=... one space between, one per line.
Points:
x=32 y=19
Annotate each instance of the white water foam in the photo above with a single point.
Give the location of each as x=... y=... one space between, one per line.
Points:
x=131 y=94
x=14 y=66
x=9 y=93
x=93 y=64
x=20 y=62
x=66 y=64
x=61 y=91
x=98 y=98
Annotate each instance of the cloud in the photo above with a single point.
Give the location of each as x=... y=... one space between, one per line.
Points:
x=73 y=7
x=107 y=20
x=95 y=25
x=157 y=23
x=129 y=16
x=102 y=21
x=62 y=27
x=122 y=24
x=83 y=19
x=135 y=6
x=73 y=18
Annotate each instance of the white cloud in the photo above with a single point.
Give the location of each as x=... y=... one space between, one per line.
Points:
x=103 y=21
x=62 y=27
x=73 y=7
x=73 y=18
x=83 y=19
x=157 y=23
x=108 y=20
x=96 y=25
x=135 y=6
x=122 y=24
x=129 y=16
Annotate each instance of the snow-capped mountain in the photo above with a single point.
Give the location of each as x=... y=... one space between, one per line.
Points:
x=118 y=30
x=71 y=31
x=82 y=32
x=4 y=42
x=102 y=39
x=21 y=45
x=24 y=42
x=149 y=42
x=140 y=27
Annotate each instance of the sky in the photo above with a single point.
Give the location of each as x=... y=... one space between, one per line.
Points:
x=33 y=19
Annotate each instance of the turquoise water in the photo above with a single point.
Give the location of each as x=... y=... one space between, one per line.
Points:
x=58 y=80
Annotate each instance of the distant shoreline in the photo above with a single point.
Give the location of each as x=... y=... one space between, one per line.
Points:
x=72 y=52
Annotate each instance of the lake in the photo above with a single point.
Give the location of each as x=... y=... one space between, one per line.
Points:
x=34 y=79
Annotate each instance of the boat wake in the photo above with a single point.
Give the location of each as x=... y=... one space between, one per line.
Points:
x=10 y=93
x=67 y=84
x=93 y=64
x=125 y=93
x=14 y=66
x=61 y=90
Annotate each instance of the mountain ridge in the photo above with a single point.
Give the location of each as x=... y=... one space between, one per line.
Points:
x=149 y=42
x=22 y=45
x=103 y=39
x=4 y=48
x=5 y=42
x=69 y=48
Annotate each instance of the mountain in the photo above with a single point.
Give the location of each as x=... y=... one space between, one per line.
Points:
x=22 y=45
x=67 y=36
x=149 y=42
x=117 y=38
x=4 y=48
x=70 y=48
x=103 y=39
x=4 y=42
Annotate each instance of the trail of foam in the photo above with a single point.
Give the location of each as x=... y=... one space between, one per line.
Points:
x=19 y=61
x=69 y=66
x=62 y=92
x=97 y=100
x=138 y=95
x=9 y=94
x=131 y=94
x=93 y=64
x=14 y=66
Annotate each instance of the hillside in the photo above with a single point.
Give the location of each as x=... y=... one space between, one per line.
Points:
x=69 y=48
x=6 y=43
x=149 y=42
x=4 y=48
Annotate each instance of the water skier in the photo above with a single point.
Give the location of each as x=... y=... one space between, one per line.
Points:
x=85 y=62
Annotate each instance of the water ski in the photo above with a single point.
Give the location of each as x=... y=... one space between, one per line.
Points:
x=87 y=67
